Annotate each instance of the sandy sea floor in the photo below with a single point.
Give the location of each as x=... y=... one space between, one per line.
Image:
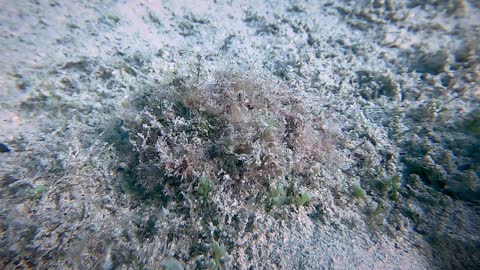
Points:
x=392 y=87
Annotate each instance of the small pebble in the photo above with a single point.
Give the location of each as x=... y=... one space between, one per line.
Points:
x=4 y=148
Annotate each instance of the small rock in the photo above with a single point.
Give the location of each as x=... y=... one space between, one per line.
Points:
x=4 y=148
x=7 y=180
x=172 y=265
x=433 y=63
x=378 y=3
